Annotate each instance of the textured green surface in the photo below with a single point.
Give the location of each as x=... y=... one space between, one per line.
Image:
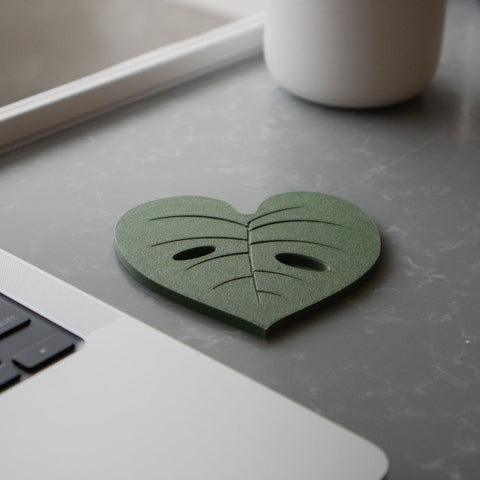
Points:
x=254 y=270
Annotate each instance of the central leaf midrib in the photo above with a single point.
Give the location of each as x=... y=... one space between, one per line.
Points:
x=250 y=262
x=250 y=243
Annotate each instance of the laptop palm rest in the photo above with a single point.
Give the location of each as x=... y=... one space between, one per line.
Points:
x=133 y=403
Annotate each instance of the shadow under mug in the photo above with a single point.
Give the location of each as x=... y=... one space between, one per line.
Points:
x=354 y=53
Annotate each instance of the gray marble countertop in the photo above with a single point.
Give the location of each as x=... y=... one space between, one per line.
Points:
x=397 y=360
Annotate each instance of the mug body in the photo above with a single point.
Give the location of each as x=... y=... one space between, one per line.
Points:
x=354 y=53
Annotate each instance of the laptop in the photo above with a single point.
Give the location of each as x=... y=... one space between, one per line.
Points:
x=88 y=392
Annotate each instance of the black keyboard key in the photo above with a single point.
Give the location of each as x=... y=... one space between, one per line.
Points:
x=8 y=375
x=10 y=321
x=44 y=352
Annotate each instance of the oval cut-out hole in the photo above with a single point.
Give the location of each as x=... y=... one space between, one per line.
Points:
x=301 y=261
x=195 y=252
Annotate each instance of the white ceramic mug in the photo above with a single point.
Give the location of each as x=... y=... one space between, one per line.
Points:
x=354 y=53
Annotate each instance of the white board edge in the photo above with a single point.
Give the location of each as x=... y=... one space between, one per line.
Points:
x=139 y=77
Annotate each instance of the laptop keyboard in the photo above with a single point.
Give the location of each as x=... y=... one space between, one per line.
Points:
x=28 y=343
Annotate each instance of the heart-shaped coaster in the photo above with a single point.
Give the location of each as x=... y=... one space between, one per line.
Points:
x=254 y=270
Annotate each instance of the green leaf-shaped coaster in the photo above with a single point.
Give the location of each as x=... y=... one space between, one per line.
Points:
x=253 y=270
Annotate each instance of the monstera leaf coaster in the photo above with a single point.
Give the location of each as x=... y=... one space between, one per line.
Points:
x=253 y=270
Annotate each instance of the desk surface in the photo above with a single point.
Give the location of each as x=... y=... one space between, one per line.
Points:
x=397 y=360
